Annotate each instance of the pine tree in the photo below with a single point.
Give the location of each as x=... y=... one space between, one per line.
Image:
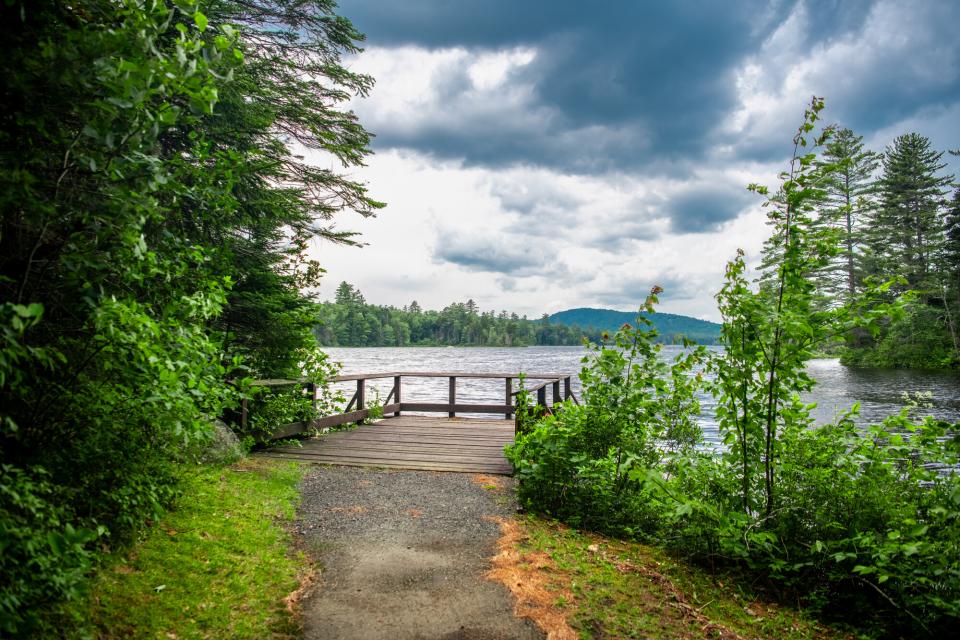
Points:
x=345 y=293
x=951 y=249
x=905 y=241
x=849 y=190
x=950 y=268
x=906 y=227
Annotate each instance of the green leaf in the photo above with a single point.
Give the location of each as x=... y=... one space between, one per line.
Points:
x=200 y=20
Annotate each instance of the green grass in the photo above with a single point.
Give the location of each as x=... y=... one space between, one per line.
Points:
x=217 y=566
x=609 y=588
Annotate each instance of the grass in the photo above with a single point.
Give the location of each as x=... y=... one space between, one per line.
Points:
x=218 y=566
x=576 y=584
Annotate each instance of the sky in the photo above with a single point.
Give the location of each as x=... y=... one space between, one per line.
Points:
x=537 y=156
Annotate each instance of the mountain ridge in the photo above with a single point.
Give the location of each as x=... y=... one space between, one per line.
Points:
x=670 y=326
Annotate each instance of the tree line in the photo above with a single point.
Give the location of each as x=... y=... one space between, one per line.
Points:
x=349 y=321
x=889 y=219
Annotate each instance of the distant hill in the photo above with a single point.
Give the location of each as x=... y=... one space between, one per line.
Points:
x=669 y=325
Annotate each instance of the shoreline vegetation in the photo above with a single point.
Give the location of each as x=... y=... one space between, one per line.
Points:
x=349 y=321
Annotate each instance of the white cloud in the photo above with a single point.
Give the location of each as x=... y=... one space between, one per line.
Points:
x=531 y=240
x=536 y=238
x=421 y=89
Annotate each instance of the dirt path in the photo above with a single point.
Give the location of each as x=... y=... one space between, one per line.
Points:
x=403 y=555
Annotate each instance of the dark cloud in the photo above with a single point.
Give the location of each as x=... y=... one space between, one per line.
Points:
x=622 y=85
x=619 y=83
x=881 y=64
x=703 y=208
x=495 y=253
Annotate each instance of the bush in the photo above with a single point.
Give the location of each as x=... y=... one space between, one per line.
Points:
x=637 y=412
x=274 y=406
x=862 y=520
x=43 y=558
x=918 y=340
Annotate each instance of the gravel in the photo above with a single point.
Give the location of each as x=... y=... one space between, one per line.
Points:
x=403 y=555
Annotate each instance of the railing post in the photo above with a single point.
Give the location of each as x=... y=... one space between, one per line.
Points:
x=567 y=391
x=244 y=412
x=396 y=394
x=556 y=391
x=453 y=396
x=509 y=396
x=312 y=388
x=361 y=400
x=542 y=399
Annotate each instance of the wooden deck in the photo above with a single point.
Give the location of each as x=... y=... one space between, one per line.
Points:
x=470 y=445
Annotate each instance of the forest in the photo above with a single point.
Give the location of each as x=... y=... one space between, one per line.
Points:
x=349 y=321
x=890 y=217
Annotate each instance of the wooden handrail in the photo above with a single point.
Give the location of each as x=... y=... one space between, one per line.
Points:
x=535 y=388
x=357 y=411
x=414 y=374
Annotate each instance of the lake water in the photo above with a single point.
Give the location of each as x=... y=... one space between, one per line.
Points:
x=879 y=391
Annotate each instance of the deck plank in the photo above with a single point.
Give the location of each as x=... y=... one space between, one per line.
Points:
x=494 y=451
x=472 y=445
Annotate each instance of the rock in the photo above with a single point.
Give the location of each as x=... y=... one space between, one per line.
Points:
x=224 y=447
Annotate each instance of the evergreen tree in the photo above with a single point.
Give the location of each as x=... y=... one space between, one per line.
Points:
x=906 y=242
x=951 y=248
x=950 y=272
x=345 y=294
x=848 y=194
x=905 y=230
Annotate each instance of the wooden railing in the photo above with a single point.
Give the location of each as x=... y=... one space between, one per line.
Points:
x=357 y=409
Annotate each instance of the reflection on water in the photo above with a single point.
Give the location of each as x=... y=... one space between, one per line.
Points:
x=879 y=391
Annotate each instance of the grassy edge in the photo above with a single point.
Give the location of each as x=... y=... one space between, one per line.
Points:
x=221 y=564
x=576 y=584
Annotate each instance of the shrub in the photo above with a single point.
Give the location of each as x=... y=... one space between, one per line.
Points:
x=637 y=412
x=43 y=558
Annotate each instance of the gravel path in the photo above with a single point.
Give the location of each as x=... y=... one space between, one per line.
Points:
x=402 y=555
